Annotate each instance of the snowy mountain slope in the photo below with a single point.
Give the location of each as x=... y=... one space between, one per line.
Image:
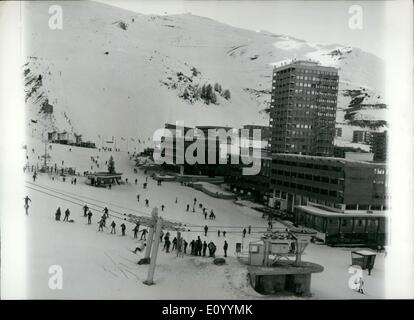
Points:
x=124 y=67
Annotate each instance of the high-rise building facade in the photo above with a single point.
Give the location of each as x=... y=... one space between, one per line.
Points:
x=303 y=108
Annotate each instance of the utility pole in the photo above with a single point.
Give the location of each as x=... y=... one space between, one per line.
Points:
x=151 y=270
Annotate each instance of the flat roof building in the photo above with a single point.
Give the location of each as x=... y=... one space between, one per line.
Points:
x=336 y=183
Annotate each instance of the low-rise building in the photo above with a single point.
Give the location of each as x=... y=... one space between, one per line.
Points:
x=336 y=183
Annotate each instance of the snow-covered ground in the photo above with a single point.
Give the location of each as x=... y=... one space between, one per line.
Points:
x=100 y=265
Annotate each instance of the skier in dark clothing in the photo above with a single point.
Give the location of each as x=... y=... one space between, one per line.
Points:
x=188 y=207
x=199 y=246
x=218 y=232
x=85 y=210
x=192 y=247
x=67 y=214
x=204 y=248
x=136 y=229
x=162 y=207
x=211 y=249
x=123 y=227
x=205 y=215
x=225 y=248
x=244 y=233
x=146 y=202
x=26 y=204
x=58 y=214
x=205 y=230
x=113 y=225
x=138 y=197
x=174 y=242
x=34 y=176
x=144 y=234
x=224 y=233
x=89 y=216
x=249 y=230
x=167 y=245
x=105 y=211
x=185 y=246
x=101 y=224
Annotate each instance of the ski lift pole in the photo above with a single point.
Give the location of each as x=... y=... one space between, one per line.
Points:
x=151 y=270
x=154 y=215
x=149 y=243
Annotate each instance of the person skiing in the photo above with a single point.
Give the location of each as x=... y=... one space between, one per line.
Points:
x=188 y=207
x=105 y=211
x=218 y=232
x=162 y=207
x=211 y=249
x=176 y=200
x=199 y=246
x=136 y=229
x=140 y=247
x=192 y=247
x=123 y=227
x=204 y=248
x=146 y=202
x=58 y=214
x=185 y=246
x=138 y=197
x=26 y=204
x=224 y=233
x=67 y=214
x=101 y=224
x=205 y=230
x=136 y=181
x=34 y=176
x=244 y=233
x=161 y=235
x=195 y=201
x=144 y=234
x=174 y=242
x=249 y=230
x=361 y=285
x=89 y=216
x=113 y=225
x=85 y=210
x=225 y=248
x=205 y=215
x=167 y=244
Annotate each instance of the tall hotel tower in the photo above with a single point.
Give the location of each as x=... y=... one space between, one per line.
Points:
x=303 y=108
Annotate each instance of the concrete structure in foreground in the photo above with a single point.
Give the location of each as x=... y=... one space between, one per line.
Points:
x=270 y=269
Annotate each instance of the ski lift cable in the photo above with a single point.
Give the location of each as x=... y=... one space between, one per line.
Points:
x=124 y=218
x=146 y=215
x=89 y=198
x=68 y=194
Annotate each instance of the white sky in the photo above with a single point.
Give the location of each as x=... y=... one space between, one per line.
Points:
x=314 y=21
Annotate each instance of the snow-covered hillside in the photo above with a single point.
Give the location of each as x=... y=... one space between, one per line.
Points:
x=109 y=66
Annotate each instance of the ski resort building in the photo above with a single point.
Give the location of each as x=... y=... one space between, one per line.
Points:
x=303 y=108
x=379 y=146
x=336 y=183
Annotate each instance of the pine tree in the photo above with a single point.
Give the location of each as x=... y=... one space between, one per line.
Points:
x=226 y=94
x=111 y=165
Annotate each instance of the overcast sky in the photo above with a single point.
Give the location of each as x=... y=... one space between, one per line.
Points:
x=314 y=21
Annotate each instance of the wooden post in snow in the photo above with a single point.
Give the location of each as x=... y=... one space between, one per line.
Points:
x=151 y=269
